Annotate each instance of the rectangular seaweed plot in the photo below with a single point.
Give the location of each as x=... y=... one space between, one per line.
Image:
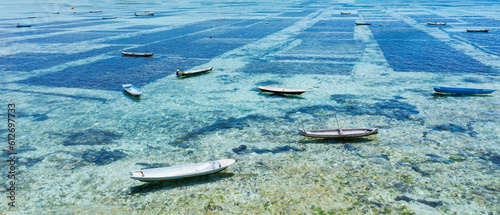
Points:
x=31 y=61
x=487 y=41
x=111 y=73
x=73 y=37
x=328 y=47
x=172 y=33
x=294 y=68
x=410 y=50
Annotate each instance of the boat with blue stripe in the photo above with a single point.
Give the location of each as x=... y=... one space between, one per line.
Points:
x=465 y=91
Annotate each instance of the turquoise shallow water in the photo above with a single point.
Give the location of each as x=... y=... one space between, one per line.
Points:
x=78 y=135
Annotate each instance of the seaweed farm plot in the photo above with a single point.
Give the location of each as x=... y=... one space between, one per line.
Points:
x=422 y=53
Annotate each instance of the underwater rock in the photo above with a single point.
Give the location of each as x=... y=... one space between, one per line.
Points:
x=349 y=147
x=456 y=128
x=430 y=203
x=102 y=157
x=417 y=169
x=91 y=137
x=242 y=149
x=403 y=198
x=221 y=124
x=490 y=156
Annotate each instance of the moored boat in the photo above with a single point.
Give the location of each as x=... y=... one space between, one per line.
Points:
x=137 y=54
x=363 y=23
x=194 y=72
x=464 y=91
x=131 y=89
x=183 y=171
x=31 y=17
x=478 y=30
x=108 y=17
x=436 y=23
x=147 y=14
x=345 y=13
x=339 y=133
x=281 y=90
x=20 y=26
x=96 y=11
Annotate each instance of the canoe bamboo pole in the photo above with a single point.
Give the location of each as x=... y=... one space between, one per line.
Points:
x=340 y=130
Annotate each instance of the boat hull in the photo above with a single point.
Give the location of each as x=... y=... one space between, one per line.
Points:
x=464 y=91
x=132 y=54
x=336 y=134
x=280 y=90
x=484 y=31
x=180 y=172
x=132 y=90
x=194 y=72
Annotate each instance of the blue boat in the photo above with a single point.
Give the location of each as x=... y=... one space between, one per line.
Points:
x=465 y=91
x=20 y=26
x=132 y=90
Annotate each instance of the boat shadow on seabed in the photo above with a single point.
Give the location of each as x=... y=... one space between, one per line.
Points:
x=171 y=184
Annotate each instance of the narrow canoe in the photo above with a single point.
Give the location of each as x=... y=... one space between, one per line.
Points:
x=95 y=11
x=55 y=13
x=344 y=13
x=137 y=54
x=479 y=30
x=363 y=23
x=183 y=171
x=147 y=14
x=466 y=91
x=20 y=26
x=131 y=89
x=338 y=133
x=194 y=72
x=436 y=23
x=31 y=17
x=281 y=90
x=108 y=17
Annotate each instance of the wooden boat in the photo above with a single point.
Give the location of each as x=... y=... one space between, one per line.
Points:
x=131 y=89
x=363 y=23
x=137 y=54
x=339 y=133
x=465 y=91
x=280 y=90
x=31 y=17
x=345 y=13
x=20 y=26
x=108 y=17
x=147 y=14
x=194 y=72
x=436 y=23
x=184 y=171
x=478 y=30
x=96 y=11
x=55 y=13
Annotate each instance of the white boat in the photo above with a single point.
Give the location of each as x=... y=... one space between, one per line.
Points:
x=281 y=90
x=131 y=89
x=338 y=133
x=194 y=72
x=183 y=171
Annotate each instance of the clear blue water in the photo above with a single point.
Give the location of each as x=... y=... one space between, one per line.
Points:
x=79 y=135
